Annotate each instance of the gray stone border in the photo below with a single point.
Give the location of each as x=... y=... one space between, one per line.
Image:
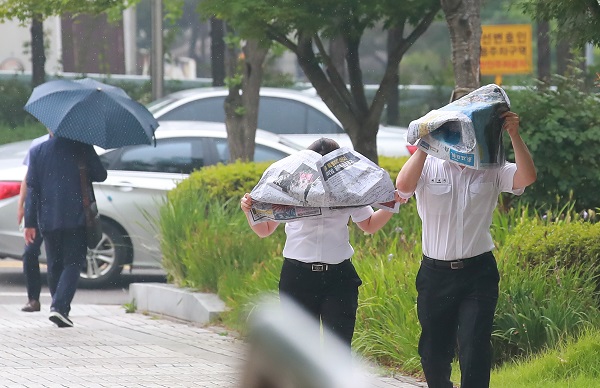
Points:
x=180 y=303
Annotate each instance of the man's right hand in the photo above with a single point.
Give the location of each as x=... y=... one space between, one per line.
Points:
x=29 y=235
x=246 y=203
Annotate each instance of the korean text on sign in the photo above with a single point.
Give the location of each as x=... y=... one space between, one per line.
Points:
x=506 y=49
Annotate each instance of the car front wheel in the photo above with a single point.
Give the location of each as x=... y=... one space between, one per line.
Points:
x=104 y=263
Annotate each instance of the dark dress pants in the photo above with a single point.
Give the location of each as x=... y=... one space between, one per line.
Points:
x=331 y=296
x=66 y=250
x=31 y=267
x=457 y=307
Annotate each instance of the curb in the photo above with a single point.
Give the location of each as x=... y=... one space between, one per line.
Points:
x=180 y=303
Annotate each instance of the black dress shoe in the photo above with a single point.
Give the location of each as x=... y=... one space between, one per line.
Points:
x=31 y=306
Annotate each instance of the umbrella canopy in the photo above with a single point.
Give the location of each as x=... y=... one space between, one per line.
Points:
x=91 y=112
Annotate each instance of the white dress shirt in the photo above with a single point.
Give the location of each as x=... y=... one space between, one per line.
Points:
x=456 y=206
x=323 y=239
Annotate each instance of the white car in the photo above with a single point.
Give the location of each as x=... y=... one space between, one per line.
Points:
x=294 y=115
x=138 y=179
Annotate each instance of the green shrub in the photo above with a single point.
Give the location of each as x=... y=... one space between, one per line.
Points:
x=392 y=165
x=561 y=127
x=547 y=287
x=13 y=96
x=226 y=182
x=535 y=241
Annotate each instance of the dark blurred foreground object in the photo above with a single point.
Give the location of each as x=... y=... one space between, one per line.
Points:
x=467 y=131
x=286 y=352
x=91 y=112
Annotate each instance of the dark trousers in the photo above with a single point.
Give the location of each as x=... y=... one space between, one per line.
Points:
x=331 y=296
x=31 y=267
x=456 y=306
x=66 y=250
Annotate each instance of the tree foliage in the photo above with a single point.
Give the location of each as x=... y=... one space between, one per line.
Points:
x=25 y=10
x=303 y=27
x=36 y=11
x=577 y=19
x=561 y=127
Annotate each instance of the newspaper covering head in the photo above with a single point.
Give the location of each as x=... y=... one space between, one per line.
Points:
x=307 y=184
x=467 y=131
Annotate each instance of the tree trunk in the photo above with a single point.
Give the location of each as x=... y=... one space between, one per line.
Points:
x=217 y=48
x=543 y=59
x=337 y=48
x=464 y=22
x=38 y=55
x=563 y=56
x=242 y=110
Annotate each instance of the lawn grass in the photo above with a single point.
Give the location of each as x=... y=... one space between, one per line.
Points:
x=572 y=364
x=12 y=134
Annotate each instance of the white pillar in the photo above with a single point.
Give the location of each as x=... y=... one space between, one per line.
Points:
x=156 y=56
x=129 y=40
x=589 y=55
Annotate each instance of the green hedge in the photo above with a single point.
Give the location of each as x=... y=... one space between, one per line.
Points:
x=535 y=241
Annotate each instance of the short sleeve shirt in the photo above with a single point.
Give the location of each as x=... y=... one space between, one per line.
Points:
x=456 y=207
x=323 y=239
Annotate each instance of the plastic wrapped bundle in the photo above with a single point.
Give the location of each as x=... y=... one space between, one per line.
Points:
x=467 y=131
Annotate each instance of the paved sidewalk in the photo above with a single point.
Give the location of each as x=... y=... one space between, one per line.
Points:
x=110 y=348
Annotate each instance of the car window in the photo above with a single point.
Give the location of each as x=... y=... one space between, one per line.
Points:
x=262 y=153
x=181 y=155
x=318 y=123
x=282 y=116
x=206 y=109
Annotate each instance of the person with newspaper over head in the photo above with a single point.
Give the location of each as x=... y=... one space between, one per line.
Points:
x=457 y=283
x=317 y=272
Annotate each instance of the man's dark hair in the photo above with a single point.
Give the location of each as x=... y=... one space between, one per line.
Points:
x=324 y=146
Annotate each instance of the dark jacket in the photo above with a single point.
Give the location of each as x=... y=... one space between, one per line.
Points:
x=54 y=198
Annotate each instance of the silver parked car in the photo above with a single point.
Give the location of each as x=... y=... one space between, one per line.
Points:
x=138 y=179
x=295 y=115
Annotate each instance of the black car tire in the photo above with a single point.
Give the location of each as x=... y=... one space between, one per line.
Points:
x=103 y=265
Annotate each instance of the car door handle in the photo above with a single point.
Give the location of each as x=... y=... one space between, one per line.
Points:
x=124 y=186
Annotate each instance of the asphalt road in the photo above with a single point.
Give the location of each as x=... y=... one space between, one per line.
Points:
x=13 y=291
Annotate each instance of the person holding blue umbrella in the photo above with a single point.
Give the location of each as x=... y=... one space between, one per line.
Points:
x=78 y=114
x=54 y=204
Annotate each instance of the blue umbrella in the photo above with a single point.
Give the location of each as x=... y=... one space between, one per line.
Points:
x=91 y=112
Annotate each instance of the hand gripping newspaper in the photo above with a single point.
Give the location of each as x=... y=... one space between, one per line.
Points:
x=307 y=184
x=467 y=131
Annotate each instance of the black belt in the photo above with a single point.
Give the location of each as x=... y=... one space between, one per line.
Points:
x=456 y=264
x=315 y=267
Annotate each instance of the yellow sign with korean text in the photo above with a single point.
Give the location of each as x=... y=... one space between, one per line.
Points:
x=506 y=49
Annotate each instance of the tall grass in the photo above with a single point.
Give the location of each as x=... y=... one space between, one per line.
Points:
x=541 y=305
x=387 y=327
x=203 y=240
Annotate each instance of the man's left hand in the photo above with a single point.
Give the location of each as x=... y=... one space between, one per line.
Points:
x=511 y=123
